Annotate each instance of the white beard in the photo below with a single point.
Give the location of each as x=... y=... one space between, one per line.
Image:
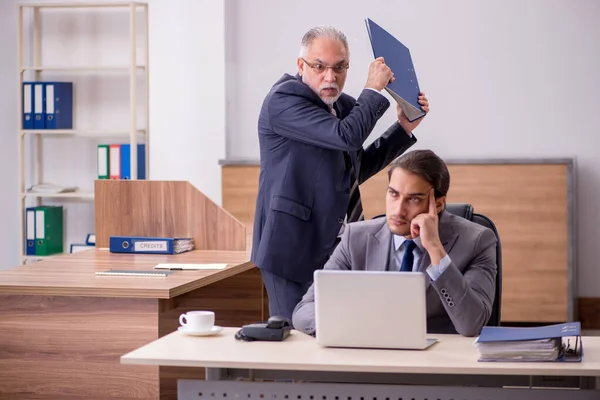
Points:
x=327 y=100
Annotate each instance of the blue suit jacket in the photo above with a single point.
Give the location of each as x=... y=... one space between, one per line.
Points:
x=304 y=184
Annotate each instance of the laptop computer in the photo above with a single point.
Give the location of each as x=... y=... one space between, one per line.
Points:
x=371 y=309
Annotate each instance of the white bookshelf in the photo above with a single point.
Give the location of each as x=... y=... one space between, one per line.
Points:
x=31 y=141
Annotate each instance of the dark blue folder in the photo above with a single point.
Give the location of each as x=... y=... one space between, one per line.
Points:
x=59 y=105
x=149 y=245
x=126 y=161
x=405 y=88
x=508 y=334
x=511 y=336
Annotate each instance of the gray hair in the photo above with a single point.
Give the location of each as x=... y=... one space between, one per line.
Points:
x=322 y=31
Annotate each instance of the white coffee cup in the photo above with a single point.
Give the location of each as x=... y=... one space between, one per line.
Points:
x=198 y=320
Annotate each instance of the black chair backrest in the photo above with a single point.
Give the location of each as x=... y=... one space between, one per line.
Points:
x=466 y=211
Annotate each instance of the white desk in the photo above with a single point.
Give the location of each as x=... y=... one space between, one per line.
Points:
x=438 y=372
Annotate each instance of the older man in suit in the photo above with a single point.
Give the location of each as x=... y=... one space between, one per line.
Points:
x=457 y=255
x=312 y=159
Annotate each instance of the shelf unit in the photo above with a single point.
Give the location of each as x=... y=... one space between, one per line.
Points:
x=36 y=67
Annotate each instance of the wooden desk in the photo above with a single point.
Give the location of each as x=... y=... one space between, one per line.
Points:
x=446 y=362
x=63 y=329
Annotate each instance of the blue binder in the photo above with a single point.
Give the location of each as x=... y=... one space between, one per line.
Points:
x=571 y=352
x=28 y=105
x=90 y=239
x=405 y=88
x=30 y=231
x=508 y=334
x=149 y=245
x=126 y=161
x=59 y=105
x=39 y=115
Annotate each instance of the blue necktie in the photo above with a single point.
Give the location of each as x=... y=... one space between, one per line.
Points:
x=408 y=258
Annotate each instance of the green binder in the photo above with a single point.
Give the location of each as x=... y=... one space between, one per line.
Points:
x=48 y=230
x=103 y=161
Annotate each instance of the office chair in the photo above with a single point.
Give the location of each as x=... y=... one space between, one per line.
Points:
x=466 y=211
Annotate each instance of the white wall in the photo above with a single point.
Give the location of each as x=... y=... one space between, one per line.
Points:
x=506 y=78
x=9 y=201
x=187 y=92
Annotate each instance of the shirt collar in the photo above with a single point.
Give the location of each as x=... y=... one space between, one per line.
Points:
x=398 y=240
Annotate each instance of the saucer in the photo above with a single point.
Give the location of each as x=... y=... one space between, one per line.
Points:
x=213 y=331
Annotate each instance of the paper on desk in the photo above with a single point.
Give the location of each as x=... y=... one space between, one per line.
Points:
x=190 y=266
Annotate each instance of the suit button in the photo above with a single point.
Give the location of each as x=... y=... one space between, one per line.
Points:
x=450 y=304
x=341 y=221
x=444 y=291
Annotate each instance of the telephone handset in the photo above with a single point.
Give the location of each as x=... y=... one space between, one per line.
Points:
x=275 y=329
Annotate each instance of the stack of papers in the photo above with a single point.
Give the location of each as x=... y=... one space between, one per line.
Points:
x=560 y=342
x=183 y=245
x=525 y=350
x=51 y=188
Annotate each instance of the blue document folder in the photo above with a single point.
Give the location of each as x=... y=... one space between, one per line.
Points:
x=28 y=105
x=559 y=342
x=405 y=87
x=30 y=231
x=39 y=114
x=59 y=105
x=126 y=161
x=149 y=245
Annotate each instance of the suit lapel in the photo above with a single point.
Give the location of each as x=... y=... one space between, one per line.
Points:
x=447 y=237
x=378 y=249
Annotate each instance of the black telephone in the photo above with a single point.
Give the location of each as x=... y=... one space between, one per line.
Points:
x=274 y=330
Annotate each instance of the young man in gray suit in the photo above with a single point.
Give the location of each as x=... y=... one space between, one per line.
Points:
x=457 y=255
x=311 y=137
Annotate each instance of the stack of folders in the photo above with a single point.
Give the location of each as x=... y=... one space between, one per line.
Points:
x=150 y=245
x=114 y=161
x=560 y=342
x=47 y=105
x=44 y=230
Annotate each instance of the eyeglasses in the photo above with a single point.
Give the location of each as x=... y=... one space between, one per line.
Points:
x=320 y=68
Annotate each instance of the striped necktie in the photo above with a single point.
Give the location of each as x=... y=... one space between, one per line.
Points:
x=355 y=211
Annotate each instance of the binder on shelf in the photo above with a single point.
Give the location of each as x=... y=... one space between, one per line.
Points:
x=48 y=230
x=550 y=343
x=77 y=247
x=103 y=161
x=405 y=87
x=59 y=105
x=90 y=240
x=38 y=105
x=28 y=105
x=114 y=161
x=30 y=231
x=126 y=161
x=149 y=245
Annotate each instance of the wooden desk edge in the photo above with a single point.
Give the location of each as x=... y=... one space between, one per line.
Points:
x=128 y=292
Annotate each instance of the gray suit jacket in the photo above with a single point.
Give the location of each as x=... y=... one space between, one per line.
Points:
x=460 y=300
